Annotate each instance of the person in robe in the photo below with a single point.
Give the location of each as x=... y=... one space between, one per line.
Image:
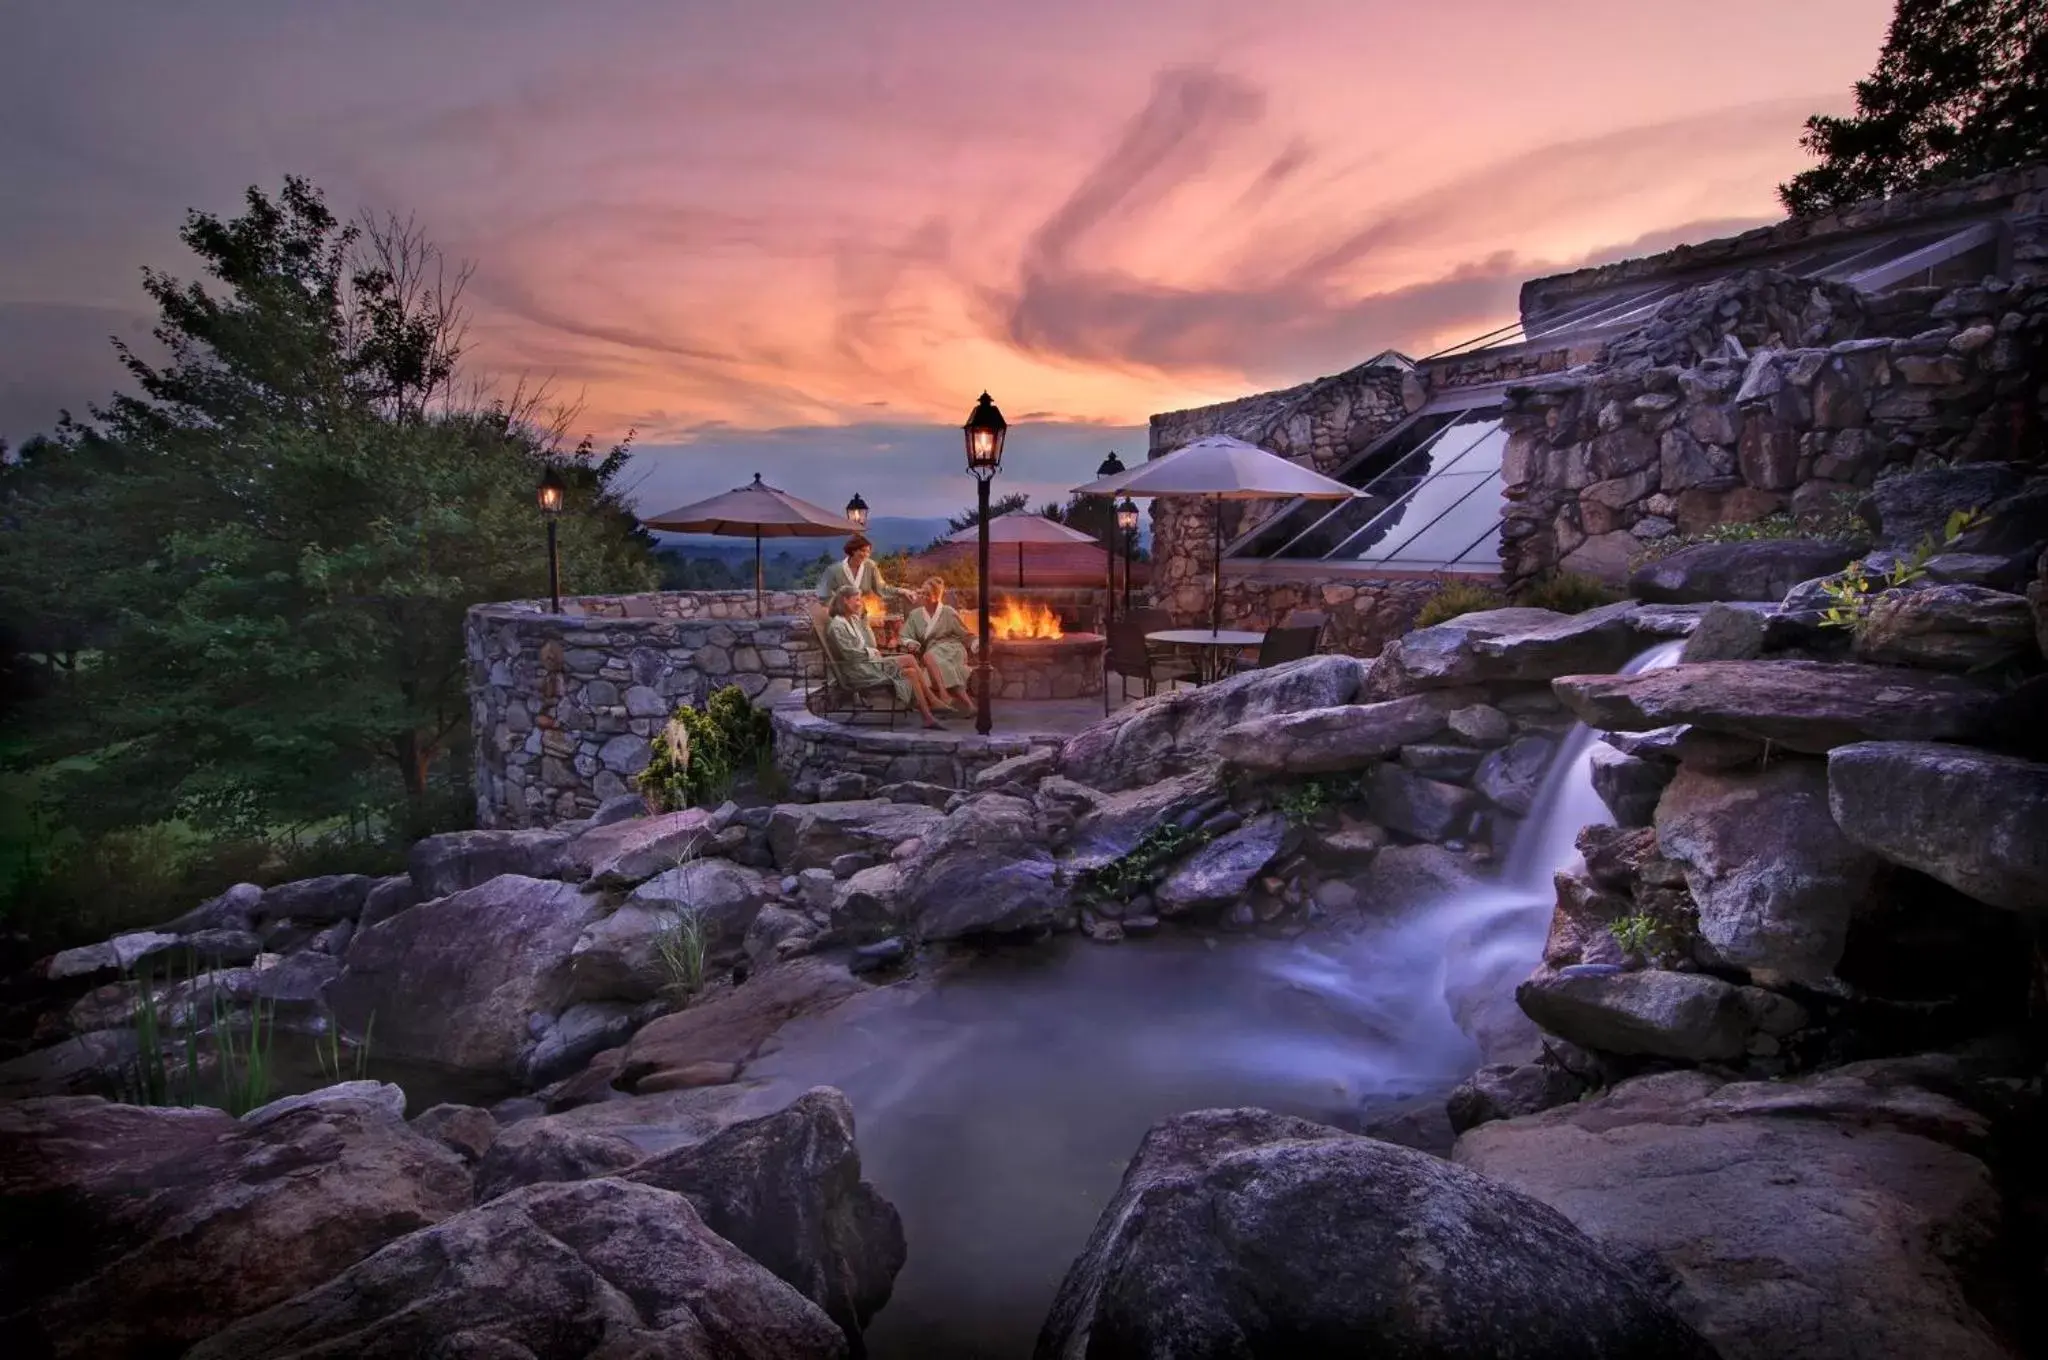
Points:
x=857 y=571
x=865 y=665
x=935 y=634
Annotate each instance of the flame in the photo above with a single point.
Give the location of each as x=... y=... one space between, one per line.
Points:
x=871 y=605
x=1014 y=619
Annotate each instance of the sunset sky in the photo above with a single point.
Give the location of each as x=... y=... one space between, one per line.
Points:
x=799 y=237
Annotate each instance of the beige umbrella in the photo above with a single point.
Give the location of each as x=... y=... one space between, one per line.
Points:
x=1021 y=529
x=759 y=510
x=1223 y=469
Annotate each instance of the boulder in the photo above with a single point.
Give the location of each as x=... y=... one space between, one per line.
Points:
x=723 y=896
x=1725 y=633
x=1254 y=1235
x=1222 y=871
x=812 y=835
x=710 y=1042
x=1403 y=876
x=455 y=860
x=1504 y=645
x=465 y=1130
x=1974 y=820
x=602 y=1268
x=176 y=1222
x=1831 y=1217
x=1324 y=740
x=1116 y=823
x=315 y=901
x=1480 y=724
x=388 y=897
x=438 y=996
x=985 y=868
x=1953 y=628
x=1176 y=733
x=1654 y=1013
x=1403 y=801
x=869 y=901
x=1773 y=877
x=620 y=807
x=1509 y=1090
x=1446 y=764
x=787 y=1190
x=1908 y=509
x=1511 y=776
x=1628 y=786
x=1764 y=569
x=234 y=909
x=1026 y=769
x=577 y=1035
x=1811 y=706
x=622 y=854
x=1581 y=921
x=541 y=1151
x=118 y=955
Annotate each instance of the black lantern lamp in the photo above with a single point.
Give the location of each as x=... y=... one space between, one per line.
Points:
x=984 y=432
x=1127 y=522
x=857 y=512
x=549 y=495
x=1111 y=467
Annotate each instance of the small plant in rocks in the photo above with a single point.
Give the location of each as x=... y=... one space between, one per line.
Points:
x=693 y=761
x=1455 y=598
x=1848 y=593
x=1141 y=869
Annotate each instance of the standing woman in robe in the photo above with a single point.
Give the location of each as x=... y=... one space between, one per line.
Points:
x=940 y=639
x=857 y=572
x=864 y=665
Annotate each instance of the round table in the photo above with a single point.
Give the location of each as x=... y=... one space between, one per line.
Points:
x=1216 y=645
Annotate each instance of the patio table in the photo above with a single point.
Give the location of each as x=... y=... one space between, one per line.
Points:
x=1213 y=645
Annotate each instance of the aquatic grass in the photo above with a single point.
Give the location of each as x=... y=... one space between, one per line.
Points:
x=329 y=1054
x=242 y=1065
x=680 y=945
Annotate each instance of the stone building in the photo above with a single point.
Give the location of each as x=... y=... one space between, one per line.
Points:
x=1776 y=372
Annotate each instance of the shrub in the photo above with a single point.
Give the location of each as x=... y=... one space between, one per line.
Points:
x=1457 y=597
x=693 y=761
x=1566 y=592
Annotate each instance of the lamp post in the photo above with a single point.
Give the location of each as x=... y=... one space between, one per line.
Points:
x=1111 y=466
x=1127 y=521
x=984 y=433
x=550 y=497
x=857 y=512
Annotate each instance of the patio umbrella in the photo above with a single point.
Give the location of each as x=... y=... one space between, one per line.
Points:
x=1223 y=469
x=759 y=510
x=1022 y=529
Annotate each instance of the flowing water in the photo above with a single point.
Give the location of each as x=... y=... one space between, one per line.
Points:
x=998 y=1106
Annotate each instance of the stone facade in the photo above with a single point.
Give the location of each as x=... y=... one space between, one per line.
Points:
x=823 y=758
x=562 y=706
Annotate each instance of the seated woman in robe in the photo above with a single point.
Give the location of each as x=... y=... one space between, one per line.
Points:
x=857 y=571
x=936 y=635
x=864 y=665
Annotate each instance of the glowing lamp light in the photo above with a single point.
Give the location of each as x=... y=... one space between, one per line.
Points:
x=550 y=493
x=1127 y=516
x=857 y=512
x=984 y=431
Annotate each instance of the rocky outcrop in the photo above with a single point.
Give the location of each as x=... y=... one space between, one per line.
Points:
x=176 y=1222
x=314 y=901
x=1811 y=706
x=1947 y=627
x=1325 y=740
x=437 y=997
x=1222 y=871
x=1832 y=1217
x=1760 y=569
x=1176 y=733
x=1243 y=1233
x=1425 y=809
x=1504 y=645
x=812 y=835
x=1629 y=786
x=1975 y=820
x=621 y=854
x=1115 y=824
x=1510 y=777
x=616 y=959
x=984 y=868
x=1655 y=1013
x=1774 y=879
x=710 y=1042
x=541 y=1151
x=448 y=863
x=598 y=1269
x=1507 y=1090
x=1913 y=507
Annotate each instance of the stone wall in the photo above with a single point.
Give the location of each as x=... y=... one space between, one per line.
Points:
x=562 y=705
x=831 y=760
x=1361 y=615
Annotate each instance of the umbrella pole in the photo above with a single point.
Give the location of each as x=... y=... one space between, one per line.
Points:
x=1020 y=564
x=1216 y=576
x=757 y=571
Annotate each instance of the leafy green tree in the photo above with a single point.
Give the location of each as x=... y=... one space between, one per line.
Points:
x=1009 y=504
x=289 y=522
x=1960 y=89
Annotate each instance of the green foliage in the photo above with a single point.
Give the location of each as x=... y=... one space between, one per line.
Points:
x=680 y=945
x=329 y=1054
x=1640 y=934
x=1960 y=89
x=1848 y=592
x=1566 y=592
x=1142 y=868
x=240 y=1056
x=693 y=761
x=1457 y=597
x=1834 y=522
x=1302 y=803
x=694 y=569
x=958 y=570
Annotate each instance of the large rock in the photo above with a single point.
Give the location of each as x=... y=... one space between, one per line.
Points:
x=1511 y=776
x=1403 y=876
x=812 y=835
x=118 y=955
x=539 y=1151
x=1504 y=645
x=1027 y=769
x=1652 y=1013
x=1175 y=733
x=234 y=909
x=1811 y=706
x=316 y=901
x=1773 y=876
x=1629 y=786
x=1909 y=509
x=1116 y=823
x=787 y=1190
x=1835 y=1217
x=1508 y=1090
x=621 y=854
x=136 y=1232
x=710 y=1042
x=1322 y=740
x=600 y=1269
x=983 y=868
x=455 y=981
x=1404 y=801
x=1220 y=872
x=1763 y=569
x=1975 y=820
x=455 y=860
x=1954 y=628
x=1247 y=1234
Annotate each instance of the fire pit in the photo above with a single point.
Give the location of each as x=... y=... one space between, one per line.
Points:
x=1036 y=658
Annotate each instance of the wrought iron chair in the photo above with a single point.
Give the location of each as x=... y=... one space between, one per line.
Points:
x=1127 y=656
x=833 y=694
x=1281 y=645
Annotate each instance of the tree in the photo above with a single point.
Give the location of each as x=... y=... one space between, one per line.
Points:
x=1961 y=88
x=289 y=523
x=1007 y=504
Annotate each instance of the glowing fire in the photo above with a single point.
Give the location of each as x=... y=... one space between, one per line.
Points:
x=871 y=605
x=1014 y=619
